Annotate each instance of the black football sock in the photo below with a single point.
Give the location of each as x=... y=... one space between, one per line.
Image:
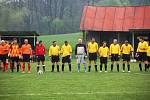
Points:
x=57 y=68
x=89 y=69
x=70 y=67
x=112 y=67
x=118 y=67
x=140 y=66
x=101 y=67
x=12 y=67
x=43 y=68
x=105 y=67
x=52 y=68
x=145 y=67
x=17 y=67
x=96 y=68
x=128 y=67
x=63 y=67
x=123 y=66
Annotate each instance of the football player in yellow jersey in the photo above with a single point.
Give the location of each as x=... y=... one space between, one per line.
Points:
x=66 y=51
x=103 y=53
x=142 y=50
x=114 y=53
x=148 y=57
x=54 y=52
x=126 y=50
x=92 y=51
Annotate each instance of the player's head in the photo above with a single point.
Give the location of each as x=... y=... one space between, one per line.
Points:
x=126 y=42
x=115 y=41
x=26 y=41
x=141 y=39
x=15 y=41
x=66 y=43
x=40 y=42
x=2 y=42
x=104 y=43
x=54 y=43
x=93 y=40
x=37 y=42
x=80 y=41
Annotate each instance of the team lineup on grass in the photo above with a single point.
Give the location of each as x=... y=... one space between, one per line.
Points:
x=12 y=54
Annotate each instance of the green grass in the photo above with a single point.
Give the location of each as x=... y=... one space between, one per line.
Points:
x=75 y=86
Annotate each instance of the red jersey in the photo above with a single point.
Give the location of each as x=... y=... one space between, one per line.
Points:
x=40 y=50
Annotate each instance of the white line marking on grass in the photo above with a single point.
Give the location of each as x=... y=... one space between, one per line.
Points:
x=141 y=74
x=73 y=93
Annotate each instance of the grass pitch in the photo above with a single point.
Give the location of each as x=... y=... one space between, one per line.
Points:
x=75 y=86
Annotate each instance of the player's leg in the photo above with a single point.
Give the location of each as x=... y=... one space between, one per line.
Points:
x=78 y=62
x=17 y=62
x=38 y=63
x=95 y=61
x=69 y=62
x=101 y=63
x=90 y=60
x=117 y=61
x=6 y=65
x=124 y=61
x=63 y=63
x=84 y=62
x=105 y=63
x=112 y=62
x=43 y=62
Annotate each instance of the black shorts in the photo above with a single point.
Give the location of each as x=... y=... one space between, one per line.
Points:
x=103 y=60
x=114 y=57
x=54 y=59
x=142 y=56
x=92 y=56
x=3 y=57
x=148 y=59
x=40 y=58
x=66 y=59
x=14 y=59
x=26 y=57
x=126 y=57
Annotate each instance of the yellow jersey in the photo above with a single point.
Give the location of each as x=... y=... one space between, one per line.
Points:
x=66 y=50
x=114 y=49
x=92 y=47
x=148 y=51
x=55 y=51
x=103 y=51
x=142 y=47
x=126 y=49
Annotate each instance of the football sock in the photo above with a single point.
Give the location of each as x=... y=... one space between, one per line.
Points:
x=124 y=66
x=89 y=69
x=105 y=67
x=118 y=67
x=101 y=67
x=140 y=66
x=96 y=68
x=43 y=68
x=70 y=67
x=57 y=68
x=112 y=67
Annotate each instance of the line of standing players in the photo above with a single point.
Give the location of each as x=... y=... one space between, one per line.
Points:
x=22 y=54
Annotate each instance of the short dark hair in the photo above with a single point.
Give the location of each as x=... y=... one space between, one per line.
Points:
x=40 y=41
x=66 y=41
x=104 y=42
x=141 y=37
x=54 y=41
